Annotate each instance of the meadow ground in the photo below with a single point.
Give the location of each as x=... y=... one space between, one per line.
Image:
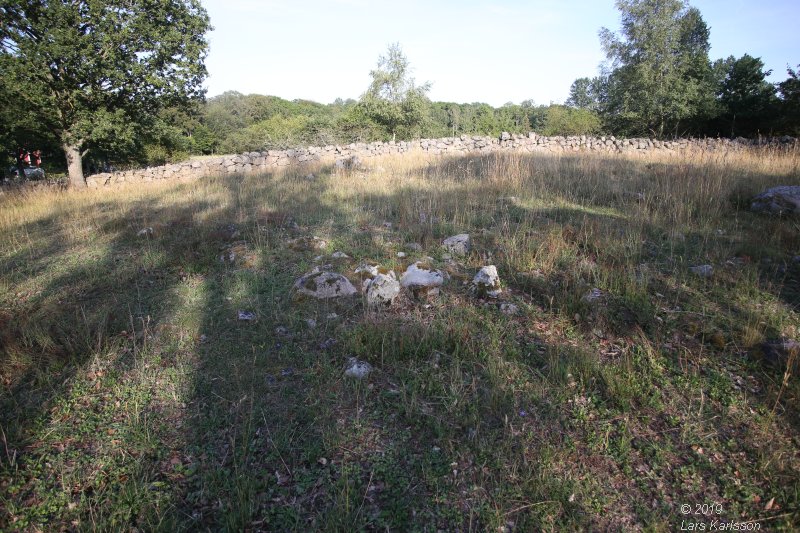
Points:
x=133 y=398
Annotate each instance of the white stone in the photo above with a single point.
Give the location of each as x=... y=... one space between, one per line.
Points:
x=487 y=282
x=421 y=281
x=383 y=289
x=509 y=309
x=324 y=285
x=357 y=369
x=366 y=268
x=340 y=255
x=421 y=277
x=457 y=244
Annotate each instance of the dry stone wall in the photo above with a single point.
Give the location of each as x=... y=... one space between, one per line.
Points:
x=341 y=156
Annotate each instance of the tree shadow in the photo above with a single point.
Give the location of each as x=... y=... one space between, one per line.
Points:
x=260 y=430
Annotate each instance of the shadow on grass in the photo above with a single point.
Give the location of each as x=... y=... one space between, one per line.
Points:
x=250 y=425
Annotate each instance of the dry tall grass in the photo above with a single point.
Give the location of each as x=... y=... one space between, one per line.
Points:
x=132 y=397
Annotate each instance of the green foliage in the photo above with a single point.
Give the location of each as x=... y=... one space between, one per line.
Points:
x=393 y=99
x=661 y=74
x=92 y=73
x=236 y=123
x=583 y=94
x=790 y=94
x=562 y=120
x=748 y=100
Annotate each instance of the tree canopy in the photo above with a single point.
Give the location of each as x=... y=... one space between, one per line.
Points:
x=748 y=99
x=94 y=74
x=658 y=80
x=661 y=73
x=393 y=99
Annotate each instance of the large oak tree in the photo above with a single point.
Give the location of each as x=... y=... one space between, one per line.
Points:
x=89 y=73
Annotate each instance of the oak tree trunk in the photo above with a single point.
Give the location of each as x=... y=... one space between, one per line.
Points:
x=74 y=165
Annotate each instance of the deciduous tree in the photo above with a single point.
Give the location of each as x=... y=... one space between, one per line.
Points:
x=789 y=90
x=748 y=99
x=95 y=73
x=393 y=99
x=659 y=68
x=583 y=94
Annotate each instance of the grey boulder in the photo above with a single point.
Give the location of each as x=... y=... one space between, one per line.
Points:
x=457 y=244
x=324 y=285
x=781 y=200
x=382 y=290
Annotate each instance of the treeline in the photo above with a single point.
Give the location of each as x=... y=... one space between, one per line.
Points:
x=233 y=123
x=659 y=81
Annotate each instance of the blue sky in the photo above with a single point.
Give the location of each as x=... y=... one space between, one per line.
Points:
x=471 y=51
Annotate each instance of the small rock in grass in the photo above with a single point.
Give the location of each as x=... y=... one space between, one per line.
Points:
x=593 y=295
x=324 y=285
x=401 y=254
x=367 y=269
x=457 y=244
x=781 y=200
x=144 y=232
x=311 y=323
x=704 y=271
x=247 y=316
x=340 y=255
x=487 y=282
x=282 y=331
x=509 y=309
x=414 y=247
x=422 y=280
x=327 y=344
x=382 y=290
x=357 y=369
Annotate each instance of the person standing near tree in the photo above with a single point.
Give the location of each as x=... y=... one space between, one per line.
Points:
x=36 y=158
x=21 y=156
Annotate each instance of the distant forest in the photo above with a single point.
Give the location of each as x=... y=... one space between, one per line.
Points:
x=658 y=81
x=233 y=123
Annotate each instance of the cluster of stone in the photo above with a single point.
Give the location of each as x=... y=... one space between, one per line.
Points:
x=343 y=157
